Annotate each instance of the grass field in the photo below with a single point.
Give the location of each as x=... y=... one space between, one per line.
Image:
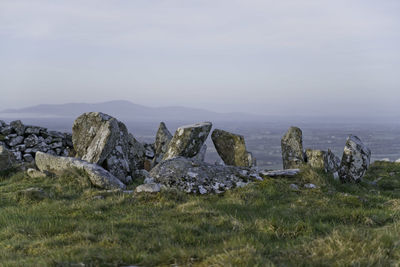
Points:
x=265 y=223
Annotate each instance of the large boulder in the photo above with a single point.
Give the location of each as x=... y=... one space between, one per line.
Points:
x=193 y=176
x=18 y=127
x=101 y=139
x=97 y=175
x=321 y=159
x=292 y=148
x=355 y=160
x=163 y=138
x=7 y=158
x=188 y=140
x=231 y=148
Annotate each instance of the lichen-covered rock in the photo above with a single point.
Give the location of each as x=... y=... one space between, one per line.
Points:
x=18 y=127
x=97 y=175
x=292 y=148
x=288 y=173
x=332 y=162
x=193 y=176
x=231 y=148
x=33 y=173
x=101 y=139
x=316 y=158
x=163 y=138
x=355 y=160
x=7 y=158
x=188 y=140
x=149 y=188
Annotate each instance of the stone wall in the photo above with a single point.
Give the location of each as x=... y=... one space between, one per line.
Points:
x=25 y=140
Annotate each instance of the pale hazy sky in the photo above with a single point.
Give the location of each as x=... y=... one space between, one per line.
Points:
x=289 y=56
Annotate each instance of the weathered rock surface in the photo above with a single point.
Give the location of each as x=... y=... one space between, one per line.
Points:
x=7 y=158
x=97 y=175
x=188 y=140
x=355 y=160
x=193 y=176
x=149 y=188
x=35 y=173
x=163 y=138
x=101 y=139
x=321 y=159
x=280 y=173
x=202 y=153
x=231 y=148
x=292 y=148
x=32 y=193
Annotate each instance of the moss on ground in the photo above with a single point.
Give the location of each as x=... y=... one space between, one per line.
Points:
x=265 y=223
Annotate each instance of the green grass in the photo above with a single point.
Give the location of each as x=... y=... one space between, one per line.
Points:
x=265 y=223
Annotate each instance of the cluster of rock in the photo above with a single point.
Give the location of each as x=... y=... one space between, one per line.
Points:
x=23 y=141
x=351 y=168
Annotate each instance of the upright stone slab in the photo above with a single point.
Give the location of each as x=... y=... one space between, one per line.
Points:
x=316 y=158
x=188 y=140
x=231 y=148
x=7 y=158
x=332 y=162
x=355 y=160
x=163 y=138
x=101 y=139
x=292 y=148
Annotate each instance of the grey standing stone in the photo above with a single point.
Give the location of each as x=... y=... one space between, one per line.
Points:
x=292 y=148
x=188 y=140
x=355 y=160
x=231 y=148
x=18 y=127
x=163 y=137
x=7 y=158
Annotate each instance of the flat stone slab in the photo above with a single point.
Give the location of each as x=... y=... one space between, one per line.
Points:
x=280 y=173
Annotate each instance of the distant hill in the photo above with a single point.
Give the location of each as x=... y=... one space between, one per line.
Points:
x=127 y=111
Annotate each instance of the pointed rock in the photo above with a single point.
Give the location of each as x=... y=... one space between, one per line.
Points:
x=163 y=138
x=292 y=148
x=355 y=160
x=188 y=140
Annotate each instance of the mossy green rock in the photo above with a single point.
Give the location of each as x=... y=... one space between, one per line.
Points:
x=231 y=148
x=188 y=140
x=292 y=148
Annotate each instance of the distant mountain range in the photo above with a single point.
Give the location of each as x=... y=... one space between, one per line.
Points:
x=127 y=111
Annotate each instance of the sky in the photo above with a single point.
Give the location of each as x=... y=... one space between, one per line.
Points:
x=300 y=57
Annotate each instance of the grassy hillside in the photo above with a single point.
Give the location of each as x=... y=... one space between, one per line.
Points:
x=266 y=223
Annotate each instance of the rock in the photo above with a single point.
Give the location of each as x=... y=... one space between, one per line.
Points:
x=163 y=137
x=202 y=153
x=136 y=153
x=292 y=148
x=7 y=130
x=355 y=160
x=31 y=141
x=231 y=148
x=149 y=188
x=188 y=140
x=149 y=151
x=28 y=158
x=97 y=175
x=35 y=173
x=336 y=176
x=280 y=173
x=7 y=158
x=294 y=187
x=320 y=159
x=332 y=162
x=101 y=139
x=2 y=123
x=18 y=127
x=32 y=193
x=16 y=141
x=34 y=130
x=193 y=176
x=148 y=165
x=17 y=155
x=310 y=186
